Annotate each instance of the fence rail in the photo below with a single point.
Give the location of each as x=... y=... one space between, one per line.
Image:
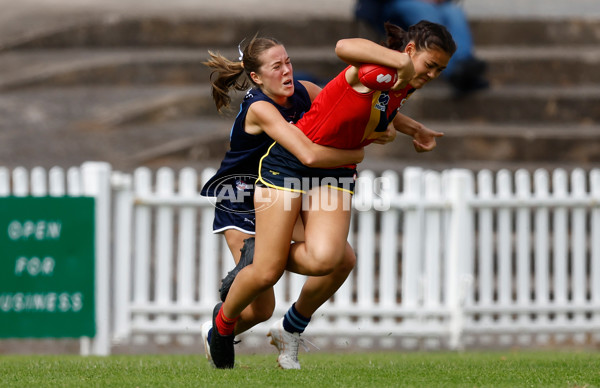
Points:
x=444 y=259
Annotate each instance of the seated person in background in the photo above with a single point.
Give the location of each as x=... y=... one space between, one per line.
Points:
x=464 y=72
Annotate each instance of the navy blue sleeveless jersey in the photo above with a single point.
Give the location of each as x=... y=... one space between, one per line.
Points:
x=233 y=183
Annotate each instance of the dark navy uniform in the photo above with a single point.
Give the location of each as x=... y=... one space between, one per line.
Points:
x=280 y=169
x=233 y=184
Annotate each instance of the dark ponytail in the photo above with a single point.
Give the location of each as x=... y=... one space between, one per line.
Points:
x=425 y=35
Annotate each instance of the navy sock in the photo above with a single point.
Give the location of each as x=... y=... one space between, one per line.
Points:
x=294 y=322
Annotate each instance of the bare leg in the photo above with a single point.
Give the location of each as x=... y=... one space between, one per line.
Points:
x=318 y=289
x=262 y=308
x=326 y=226
x=274 y=227
x=327 y=221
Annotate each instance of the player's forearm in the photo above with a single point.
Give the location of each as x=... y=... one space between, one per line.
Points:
x=355 y=51
x=407 y=125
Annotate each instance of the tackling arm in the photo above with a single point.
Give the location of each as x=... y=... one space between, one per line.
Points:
x=268 y=118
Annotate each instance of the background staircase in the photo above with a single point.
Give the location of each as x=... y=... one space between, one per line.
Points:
x=133 y=91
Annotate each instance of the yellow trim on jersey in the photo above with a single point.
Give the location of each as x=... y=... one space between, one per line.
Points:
x=261 y=180
x=374 y=117
x=270 y=185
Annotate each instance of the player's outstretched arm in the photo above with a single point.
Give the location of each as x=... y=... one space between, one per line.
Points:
x=424 y=139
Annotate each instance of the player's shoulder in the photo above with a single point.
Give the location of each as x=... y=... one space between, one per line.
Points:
x=253 y=94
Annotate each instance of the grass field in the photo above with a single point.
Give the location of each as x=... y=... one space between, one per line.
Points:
x=469 y=369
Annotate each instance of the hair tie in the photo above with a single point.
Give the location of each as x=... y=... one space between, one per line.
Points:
x=240 y=50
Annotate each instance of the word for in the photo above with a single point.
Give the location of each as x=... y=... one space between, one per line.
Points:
x=35 y=266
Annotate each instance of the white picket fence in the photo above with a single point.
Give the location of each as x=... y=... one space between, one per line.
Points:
x=446 y=259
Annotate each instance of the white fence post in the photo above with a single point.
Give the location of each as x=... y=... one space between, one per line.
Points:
x=485 y=249
x=365 y=256
x=560 y=248
x=388 y=242
x=122 y=223
x=412 y=247
x=4 y=182
x=20 y=178
x=56 y=180
x=523 y=249
x=96 y=183
x=542 y=250
x=578 y=248
x=432 y=252
x=209 y=276
x=142 y=182
x=595 y=247
x=188 y=186
x=38 y=182
x=163 y=243
x=458 y=249
x=504 y=248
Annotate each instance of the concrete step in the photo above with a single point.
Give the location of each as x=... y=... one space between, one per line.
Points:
x=556 y=65
x=497 y=144
x=110 y=107
x=135 y=66
x=509 y=104
x=125 y=148
x=113 y=107
x=215 y=32
x=168 y=126
x=160 y=144
x=535 y=32
x=504 y=105
x=562 y=65
x=101 y=107
x=198 y=30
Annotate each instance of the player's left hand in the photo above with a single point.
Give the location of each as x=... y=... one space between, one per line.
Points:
x=424 y=139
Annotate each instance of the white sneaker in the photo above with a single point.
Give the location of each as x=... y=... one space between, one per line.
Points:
x=287 y=343
x=206 y=326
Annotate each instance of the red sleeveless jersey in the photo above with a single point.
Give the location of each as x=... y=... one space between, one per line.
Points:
x=343 y=118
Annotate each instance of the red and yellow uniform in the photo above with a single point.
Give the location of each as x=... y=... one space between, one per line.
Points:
x=341 y=117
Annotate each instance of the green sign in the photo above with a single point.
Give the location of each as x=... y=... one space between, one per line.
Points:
x=47 y=267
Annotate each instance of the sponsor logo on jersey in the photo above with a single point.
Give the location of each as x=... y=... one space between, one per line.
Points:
x=382 y=102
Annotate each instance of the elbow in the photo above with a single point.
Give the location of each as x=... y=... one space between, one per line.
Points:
x=340 y=46
x=309 y=160
x=360 y=158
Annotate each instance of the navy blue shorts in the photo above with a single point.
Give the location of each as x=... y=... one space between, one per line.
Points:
x=280 y=169
x=234 y=206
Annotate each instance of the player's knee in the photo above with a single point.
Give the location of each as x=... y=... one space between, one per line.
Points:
x=348 y=261
x=263 y=314
x=263 y=307
x=326 y=259
x=267 y=279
